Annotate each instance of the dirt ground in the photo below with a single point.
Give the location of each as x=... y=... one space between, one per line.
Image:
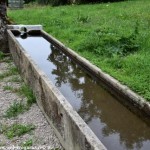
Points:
x=42 y=136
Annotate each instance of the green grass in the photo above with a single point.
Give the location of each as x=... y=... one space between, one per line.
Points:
x=113 y=36
x=9 y=88
x=27 y=92
x=27 y=143
x=2 y=56
x=15 y=109
x=24 y=90
x=5 y=57
x=15 y=79
x=16 y=130
x=18 y=107
x=11 y=71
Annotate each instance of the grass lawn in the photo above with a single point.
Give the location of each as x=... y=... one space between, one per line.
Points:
x=113 y=36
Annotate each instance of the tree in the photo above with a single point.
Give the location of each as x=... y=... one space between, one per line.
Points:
x=95 y=1
x=3 y=9
x=3 y=28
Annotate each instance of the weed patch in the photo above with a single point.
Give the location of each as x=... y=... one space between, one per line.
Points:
x=15 y=109
x=10 y=72
x=27 y=92
x=17 y=130
x=15 y=79
x=27 y=143
x=5 y=57
x=18 y=107
x=2 y=56
x=8 y=88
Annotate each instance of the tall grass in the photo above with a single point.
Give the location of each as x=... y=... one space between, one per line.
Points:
x=113 y=36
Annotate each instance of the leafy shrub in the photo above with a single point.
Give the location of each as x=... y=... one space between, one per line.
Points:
x=28 y=1
x=96 y=1
x=53 y=2
x=63 y=2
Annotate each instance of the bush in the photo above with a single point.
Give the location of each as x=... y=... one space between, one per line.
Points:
x=53 y=2
x=63 y=2
x=96 y=1
x=28 y=1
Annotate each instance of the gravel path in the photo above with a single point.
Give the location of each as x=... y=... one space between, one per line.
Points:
x=42 y=136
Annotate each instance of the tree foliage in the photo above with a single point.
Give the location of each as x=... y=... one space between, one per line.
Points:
x=97 y=1
x=3 y=9
x=53 y=2
x=63 y=2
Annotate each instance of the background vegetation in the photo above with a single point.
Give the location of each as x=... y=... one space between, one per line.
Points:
x=113 y=36
x=63 y=2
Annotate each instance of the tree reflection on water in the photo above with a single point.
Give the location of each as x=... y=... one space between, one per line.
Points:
x=112 y=118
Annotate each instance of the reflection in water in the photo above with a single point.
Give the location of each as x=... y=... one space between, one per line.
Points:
x=114 y=125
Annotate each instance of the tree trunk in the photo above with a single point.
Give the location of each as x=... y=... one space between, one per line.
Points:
x=3 y=23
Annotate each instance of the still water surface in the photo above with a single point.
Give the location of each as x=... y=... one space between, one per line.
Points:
x=114 y=125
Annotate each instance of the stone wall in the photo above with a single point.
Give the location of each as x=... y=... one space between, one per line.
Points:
x=3 y=23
